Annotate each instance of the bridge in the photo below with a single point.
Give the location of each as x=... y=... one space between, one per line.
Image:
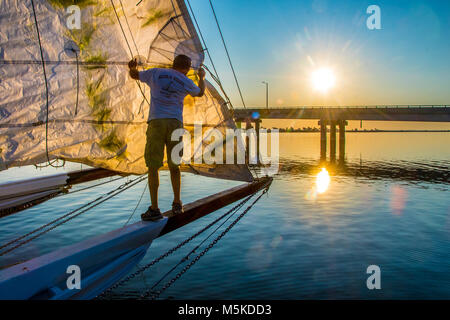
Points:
x=338 y=116
x=432 y=113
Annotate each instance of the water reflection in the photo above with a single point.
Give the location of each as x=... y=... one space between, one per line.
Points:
x=399 y=195
x=396 y=170
x=386 y=204
x=322 y=181
x=321 y=184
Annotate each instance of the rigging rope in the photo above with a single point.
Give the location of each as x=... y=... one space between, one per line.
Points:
x=128 y=25
x=45 y=76
x=95 y=185
x=155 y=295
x=129 y=47
x=69 y=216
x=78 y=80
x=50 y=163
x=137 y=205
x=137 y=50
x=58 y=193
x=216 y=76
x=226 y=50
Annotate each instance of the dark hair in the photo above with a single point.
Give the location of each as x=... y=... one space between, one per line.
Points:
x=182 y=62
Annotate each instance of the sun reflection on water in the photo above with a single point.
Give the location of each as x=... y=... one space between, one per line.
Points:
x=322 y=181
x=321 y=185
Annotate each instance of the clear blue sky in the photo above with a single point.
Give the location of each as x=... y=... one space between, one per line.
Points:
x=283 y=41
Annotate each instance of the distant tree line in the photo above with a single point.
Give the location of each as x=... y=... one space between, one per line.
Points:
x=291 y=129
x=313 y=129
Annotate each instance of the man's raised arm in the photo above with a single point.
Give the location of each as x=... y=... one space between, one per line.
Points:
x=201 y=82
x=134 y=73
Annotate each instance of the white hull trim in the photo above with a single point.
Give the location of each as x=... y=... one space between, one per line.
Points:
x=103 y=260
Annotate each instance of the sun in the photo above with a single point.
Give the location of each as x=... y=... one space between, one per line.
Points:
x=323 y=79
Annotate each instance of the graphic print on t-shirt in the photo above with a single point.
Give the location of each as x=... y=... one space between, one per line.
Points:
x=168 y=90
x=170 y=86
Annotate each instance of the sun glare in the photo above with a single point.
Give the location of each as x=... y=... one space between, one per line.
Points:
x=323 y=79
x=322 y=181
x=320 y=186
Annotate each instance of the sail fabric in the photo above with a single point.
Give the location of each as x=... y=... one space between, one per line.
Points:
x=96 y=114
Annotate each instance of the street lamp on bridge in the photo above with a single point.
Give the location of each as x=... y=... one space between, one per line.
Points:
x=267 y=94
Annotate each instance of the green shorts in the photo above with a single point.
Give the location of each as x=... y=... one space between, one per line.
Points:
x=159 y=133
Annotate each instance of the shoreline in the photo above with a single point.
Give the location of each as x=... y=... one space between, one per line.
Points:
x=364 y=131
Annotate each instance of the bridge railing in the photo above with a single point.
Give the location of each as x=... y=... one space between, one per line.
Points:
x=351 y=107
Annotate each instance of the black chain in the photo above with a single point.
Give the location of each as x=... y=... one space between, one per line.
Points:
x=72 y=214
x=169 y=252
x=154 y=295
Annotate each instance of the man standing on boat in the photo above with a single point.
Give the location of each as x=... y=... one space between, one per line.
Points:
x=169 y=87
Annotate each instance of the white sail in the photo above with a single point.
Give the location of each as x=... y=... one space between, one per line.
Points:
x=95 y=114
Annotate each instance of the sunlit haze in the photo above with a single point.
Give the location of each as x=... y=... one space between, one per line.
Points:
x=405 y=62
x=286 y=42
x=323 y=79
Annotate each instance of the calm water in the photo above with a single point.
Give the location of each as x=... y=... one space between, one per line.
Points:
x=388 y=204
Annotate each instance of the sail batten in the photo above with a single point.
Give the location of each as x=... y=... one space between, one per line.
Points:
x=97 y=114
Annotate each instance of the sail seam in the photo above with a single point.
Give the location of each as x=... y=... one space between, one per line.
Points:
x=40 y=123
x=67 y=62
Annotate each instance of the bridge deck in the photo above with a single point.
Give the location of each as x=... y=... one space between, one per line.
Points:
x=376 y=113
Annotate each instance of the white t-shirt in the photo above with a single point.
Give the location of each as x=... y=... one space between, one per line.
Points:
x=168 y=90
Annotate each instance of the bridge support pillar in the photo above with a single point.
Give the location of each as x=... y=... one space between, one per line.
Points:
x=342 y=124
x=248 y=126
x=257 y=127
x=332 y=140
x=323 y=139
